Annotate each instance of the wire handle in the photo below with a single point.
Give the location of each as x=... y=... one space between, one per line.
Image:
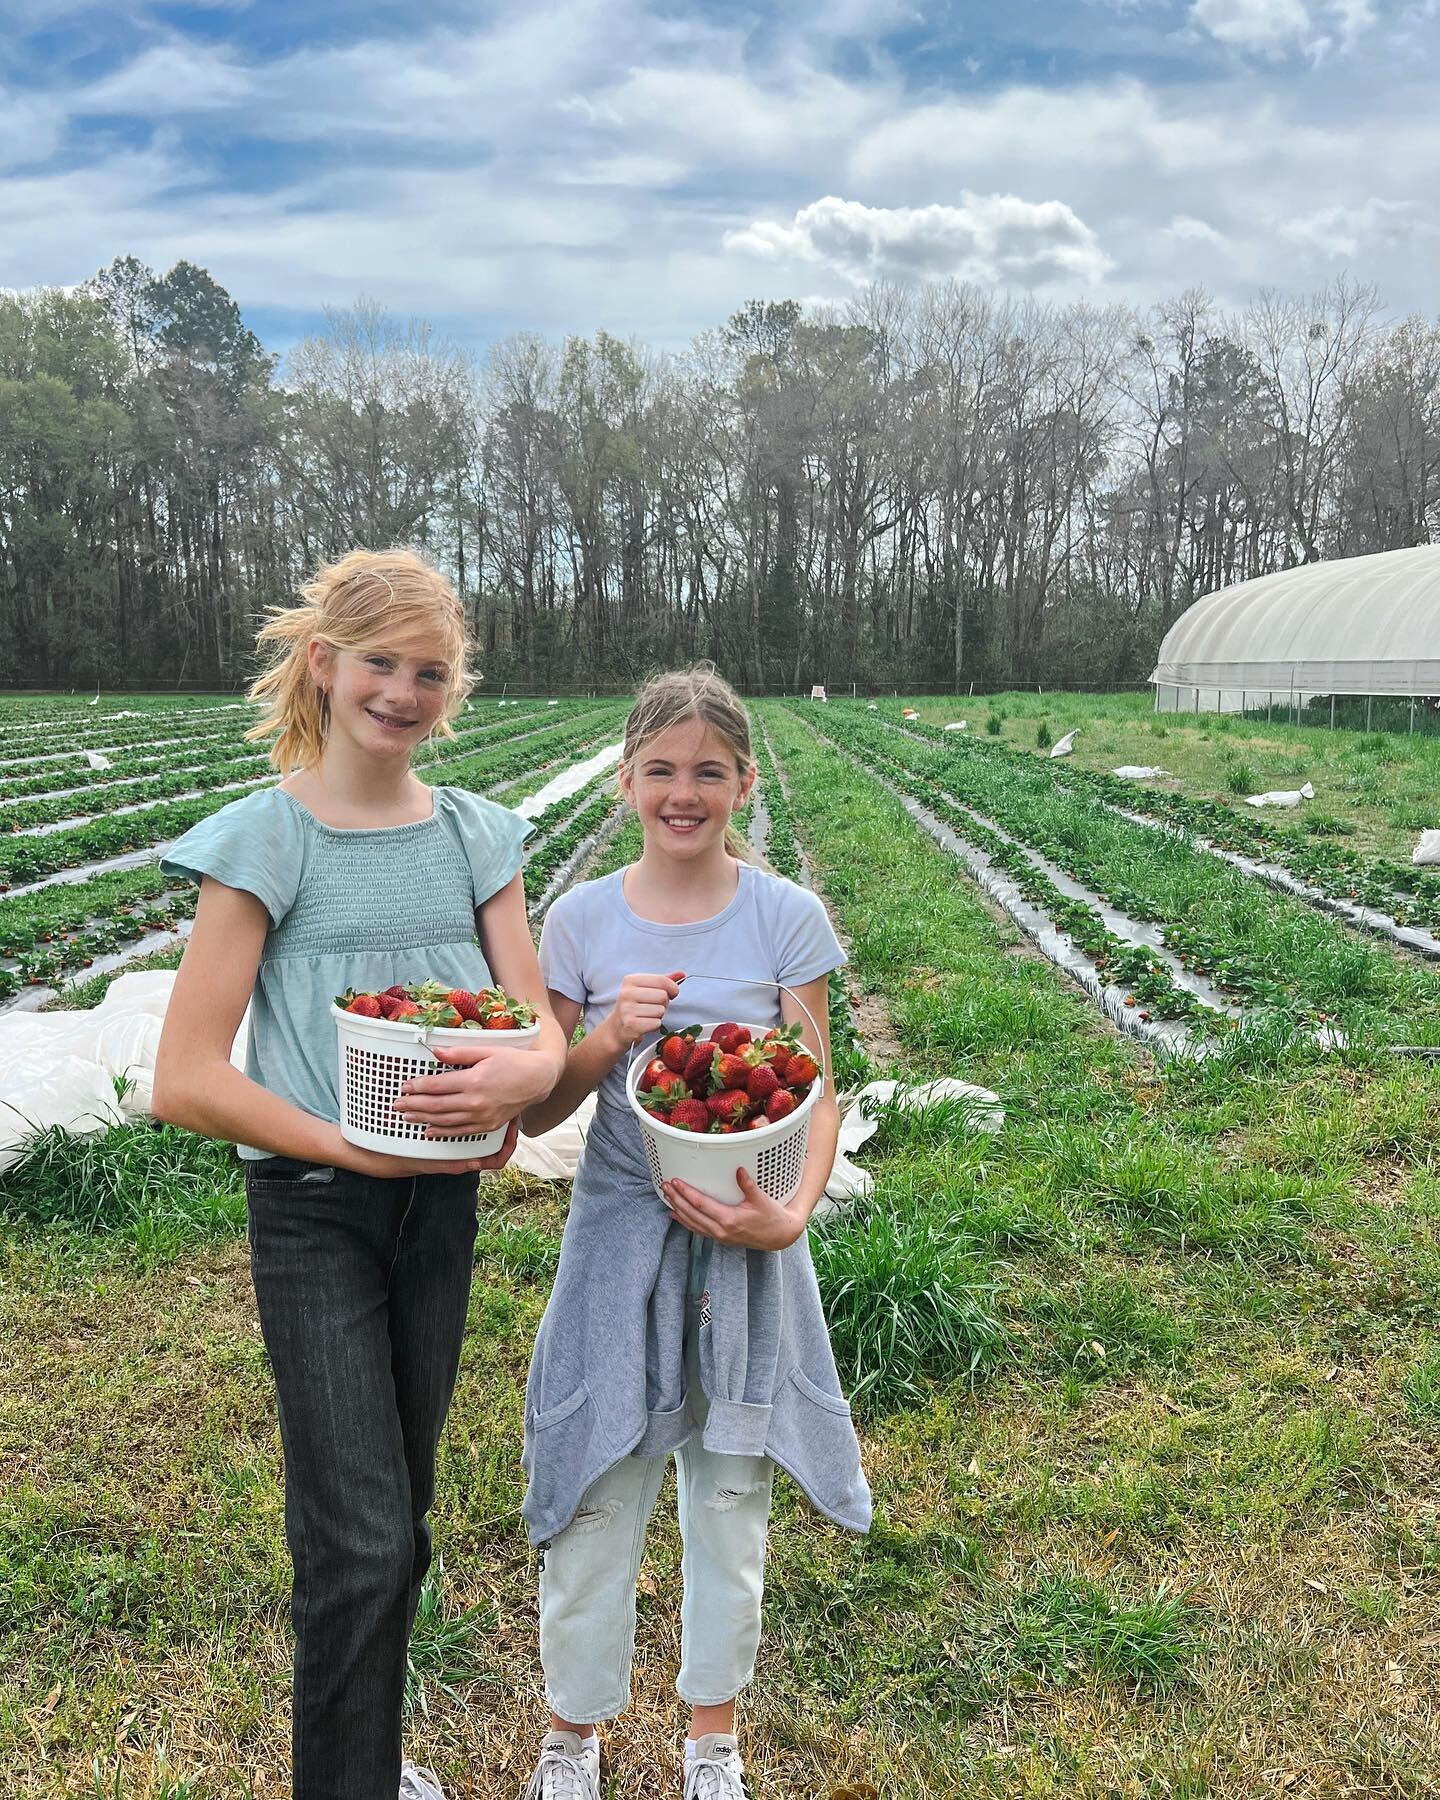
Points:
x=760 y=981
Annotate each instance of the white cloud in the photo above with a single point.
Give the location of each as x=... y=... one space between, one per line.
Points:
x=1188 y=230
x=989 y=238
x=1343 y=231
x=1277 y=27
x=1120 y=125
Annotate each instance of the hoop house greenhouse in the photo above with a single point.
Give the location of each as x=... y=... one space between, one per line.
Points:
x=1359 y=629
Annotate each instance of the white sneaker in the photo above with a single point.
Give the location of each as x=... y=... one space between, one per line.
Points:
x=419 y=1784
x=715 y=1772
x=568 y=1769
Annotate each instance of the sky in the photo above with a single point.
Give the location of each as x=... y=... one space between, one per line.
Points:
x=644 y=168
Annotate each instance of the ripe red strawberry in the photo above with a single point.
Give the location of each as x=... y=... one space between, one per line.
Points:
x=732 y=1104
x=464 y=1003
x=406 y=1009
x=366 y=1005
x=801 y=1069
x=690 y=1115
x=758 y=1123
x=719 y=1125
x=654 y=1069
x=728 y=1070
x=762 y=1083
x=667 y=1089
x=397 y=992
x=697 y=1065
x=501 y=1021
x=779 y=1053
x=780 y=1105
x=730 y=1037
x=389 y=1005
x=676 y=1050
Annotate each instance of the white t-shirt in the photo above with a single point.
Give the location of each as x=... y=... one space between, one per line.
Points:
x=771 y=931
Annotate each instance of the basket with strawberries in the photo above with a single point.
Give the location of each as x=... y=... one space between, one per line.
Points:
x=388 y=1035
x=728 y=1081
x=717 y=1098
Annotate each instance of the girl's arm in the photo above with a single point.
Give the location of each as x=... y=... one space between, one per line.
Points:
x=489 y=1082
x=758 y=1222
x=638 y=1012
x=196 y=1084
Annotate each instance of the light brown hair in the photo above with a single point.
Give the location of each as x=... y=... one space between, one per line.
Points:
x=368 y=600
x=700 y=694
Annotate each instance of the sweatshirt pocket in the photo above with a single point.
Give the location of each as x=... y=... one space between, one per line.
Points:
x=556 y=1415
x=835 y=1403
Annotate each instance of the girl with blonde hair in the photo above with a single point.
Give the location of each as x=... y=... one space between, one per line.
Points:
x=351 y=872
x=680 y=1323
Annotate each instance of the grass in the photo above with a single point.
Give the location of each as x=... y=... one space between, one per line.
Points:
x=1384 y=783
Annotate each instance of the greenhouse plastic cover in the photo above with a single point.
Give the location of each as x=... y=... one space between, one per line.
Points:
x=1357 y=625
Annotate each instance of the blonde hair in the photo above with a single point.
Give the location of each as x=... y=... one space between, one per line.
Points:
x=368 y=600
x=700 y=694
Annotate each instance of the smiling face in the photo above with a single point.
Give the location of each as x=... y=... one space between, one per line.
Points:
x=684 y=784
x=386 y=701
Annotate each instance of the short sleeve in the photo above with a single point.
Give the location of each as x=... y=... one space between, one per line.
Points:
x=805 y=942
x=256 y=844
x=492 y=837
x=560 y=951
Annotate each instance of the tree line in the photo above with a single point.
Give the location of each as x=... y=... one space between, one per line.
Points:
x=933 y=485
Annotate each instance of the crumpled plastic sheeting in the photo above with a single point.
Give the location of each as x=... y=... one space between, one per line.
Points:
x=61 y=1068
x=1138 y=772
x=1066 y=745
x=1428 y=849
x=1281 y=796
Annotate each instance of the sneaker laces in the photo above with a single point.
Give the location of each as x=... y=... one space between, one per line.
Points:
x=560 y=1775
x=715 y=1777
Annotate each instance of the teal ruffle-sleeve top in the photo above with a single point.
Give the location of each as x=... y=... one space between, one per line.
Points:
x=349 y=908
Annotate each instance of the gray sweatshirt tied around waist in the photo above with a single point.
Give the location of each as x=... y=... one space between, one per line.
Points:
x=608 y=1375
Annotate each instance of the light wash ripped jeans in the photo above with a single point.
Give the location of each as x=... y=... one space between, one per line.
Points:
x=588 y=1573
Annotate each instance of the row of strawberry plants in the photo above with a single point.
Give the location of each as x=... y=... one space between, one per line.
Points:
x=1407 y=893
x=21 y=731
x=30 y=859
x=1265 y=948
x=557 y=849
x=1149 y=984
x=229 y=762
x=782 y=850
x=60 y=931
x=206 y=758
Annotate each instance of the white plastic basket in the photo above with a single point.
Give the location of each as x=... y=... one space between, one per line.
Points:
x=377 y=1056
x=774 y=1155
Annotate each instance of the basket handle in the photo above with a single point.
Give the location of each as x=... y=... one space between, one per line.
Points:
x=761 y=981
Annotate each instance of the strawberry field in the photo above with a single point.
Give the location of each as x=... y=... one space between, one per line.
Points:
x=1148 y=1382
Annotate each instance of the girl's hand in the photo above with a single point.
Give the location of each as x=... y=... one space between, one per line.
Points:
x=391 y=1168
x=757 y=1223
x=484 y=1085
x=640 y=1007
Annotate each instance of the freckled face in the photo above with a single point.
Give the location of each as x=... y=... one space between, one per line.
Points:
x=685 y=784
x=386 y=700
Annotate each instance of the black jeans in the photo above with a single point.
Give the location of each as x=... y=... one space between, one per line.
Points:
x=362 y=1286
